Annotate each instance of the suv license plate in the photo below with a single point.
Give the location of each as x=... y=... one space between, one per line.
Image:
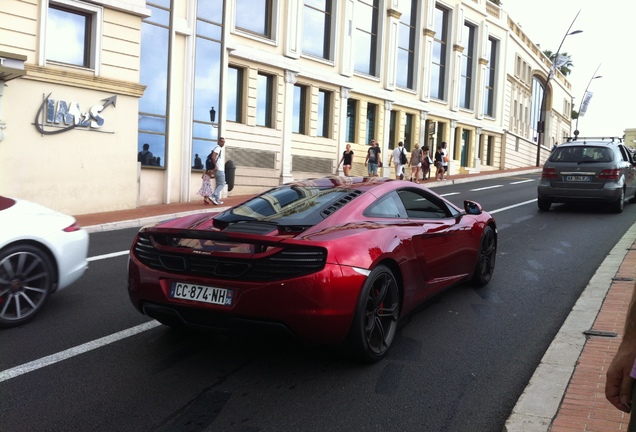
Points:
x=200 y=293
x=577 y=178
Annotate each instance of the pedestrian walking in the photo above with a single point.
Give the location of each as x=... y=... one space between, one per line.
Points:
x=373 y=159
x=399 y=155
x=416 y=163
x=346 y=160
x=206 y=190
x=218 y=159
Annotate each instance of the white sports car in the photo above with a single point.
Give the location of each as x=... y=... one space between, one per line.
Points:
x=41 y=251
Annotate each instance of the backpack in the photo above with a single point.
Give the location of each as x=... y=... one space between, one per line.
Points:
x=209 y=162
x=403 y=157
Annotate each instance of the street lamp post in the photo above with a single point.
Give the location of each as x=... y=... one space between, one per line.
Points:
x=544 y=101
x=594 y=76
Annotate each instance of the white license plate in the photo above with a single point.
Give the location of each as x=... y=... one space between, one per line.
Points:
x=200 y=293
x=577 y=178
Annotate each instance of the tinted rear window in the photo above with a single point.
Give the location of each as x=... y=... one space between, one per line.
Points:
x=582 y=154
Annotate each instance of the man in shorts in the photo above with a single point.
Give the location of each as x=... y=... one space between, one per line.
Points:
x=373 y=158
x=399 y=155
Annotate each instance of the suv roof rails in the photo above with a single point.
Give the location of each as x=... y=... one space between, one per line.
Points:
x=578 y=138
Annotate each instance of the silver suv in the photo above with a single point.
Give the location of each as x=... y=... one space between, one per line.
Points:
x=588 y=170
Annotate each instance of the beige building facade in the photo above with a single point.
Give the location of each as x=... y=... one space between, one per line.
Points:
x=288 y=84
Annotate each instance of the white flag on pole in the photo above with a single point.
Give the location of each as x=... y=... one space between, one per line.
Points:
x=560 y=60
x=585 y=102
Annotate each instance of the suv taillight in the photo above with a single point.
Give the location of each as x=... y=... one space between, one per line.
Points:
x=549 y=173
x=610 y=174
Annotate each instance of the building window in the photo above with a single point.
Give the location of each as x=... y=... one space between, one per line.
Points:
x=265 y=100
x=467 y=70
x=406 y=44
x=393 y=123
x=254 y=16
x=317 y=27
x=351 y=125
x=439 y=55
x=489 y=93
x=73 y=34
x=408 y=131
x=372 y=110
x=207 y=79
x=366 y=36
x=300 y=109
x=234 y=94
x=324 y=113
x=153 y=117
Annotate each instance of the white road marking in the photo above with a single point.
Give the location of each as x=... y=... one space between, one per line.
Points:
x=512 y=206
x=523 y=181
x=72 y=352
x=106 y=256
x=486 y=188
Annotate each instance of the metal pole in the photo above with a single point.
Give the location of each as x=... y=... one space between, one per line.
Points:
x=542 y=114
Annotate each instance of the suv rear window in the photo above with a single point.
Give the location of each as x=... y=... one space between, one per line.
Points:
x=582 y=154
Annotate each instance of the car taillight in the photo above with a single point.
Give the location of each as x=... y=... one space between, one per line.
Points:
x=549 y=173
x=610 y=174
x=73 y=228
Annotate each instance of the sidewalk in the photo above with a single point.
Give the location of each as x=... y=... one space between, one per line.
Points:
x=567 y=391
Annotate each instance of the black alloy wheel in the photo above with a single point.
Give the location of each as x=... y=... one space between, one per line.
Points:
x=376 y=319
x=26 y=279
x=486 y=259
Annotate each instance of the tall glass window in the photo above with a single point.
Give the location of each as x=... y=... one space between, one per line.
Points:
x=264 y=100
x=393 y=126
x=366 y=36
x=406 y=44
x=439 y=55
x=254 y=16
x=300 y=109
x=372 y=111
x=317 y=25
x=351 y=125
x=324 y=113
x=207 y=78
x=155 y=44
x=234 y=93
x=489 y=91
x=408 y=131
x=467 y=70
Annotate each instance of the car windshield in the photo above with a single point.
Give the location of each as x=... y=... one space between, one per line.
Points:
x=582 y=154
x=293 y=205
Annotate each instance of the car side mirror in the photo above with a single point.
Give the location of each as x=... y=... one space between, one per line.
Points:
x=472 y=208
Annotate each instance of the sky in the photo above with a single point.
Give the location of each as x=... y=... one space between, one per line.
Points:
x=607 y=43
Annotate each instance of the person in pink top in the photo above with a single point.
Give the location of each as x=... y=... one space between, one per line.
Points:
x=619 y=386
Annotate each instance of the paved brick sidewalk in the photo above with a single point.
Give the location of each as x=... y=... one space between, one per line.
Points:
x=584 y=407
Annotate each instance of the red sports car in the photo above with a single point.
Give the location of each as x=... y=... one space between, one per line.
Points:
x=330 y=260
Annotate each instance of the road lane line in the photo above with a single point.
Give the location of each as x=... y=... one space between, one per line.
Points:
x=523 y=181
x=106 y=256
x=486 y=188
x=512 y=206
x=72 y=352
